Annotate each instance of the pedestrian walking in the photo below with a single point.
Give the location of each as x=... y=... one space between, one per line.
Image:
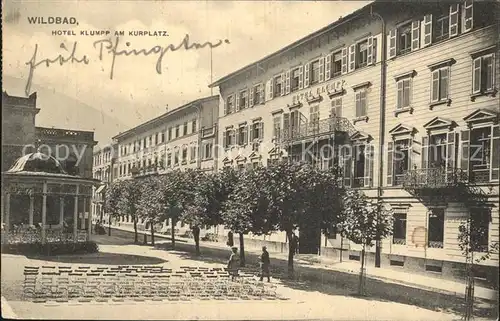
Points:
x=265 y=262
x=234 y=263
x=294 y=243
x=230 y=241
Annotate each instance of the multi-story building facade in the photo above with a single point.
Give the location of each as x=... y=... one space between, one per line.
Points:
x=397 y=96
x=105 y=171
x=182 y=138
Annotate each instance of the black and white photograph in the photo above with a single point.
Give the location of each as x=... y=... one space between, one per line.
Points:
x=250 y=160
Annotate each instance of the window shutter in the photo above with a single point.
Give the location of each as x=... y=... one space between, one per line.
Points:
x=495 y=154
x=369 y=56
x=321 y=66
x=262 y=93
x=224 y=139
x=427 y=30
x=328 y=67
x=444 y=82
x=286 y=124
x=467 y=16
x=465 y=150
x=248 y=99
x=261 y=131
x=476 y=76
x=306 y=75
x=352 y=57
x=390 y=146
x=344 y=61
x=369 y=154
x=415 y=35
x=245 y=141
x=346 y=157
x=287 y=82
x=425 y=152
x=250 y=96
x=237 y=136
x=450 y=155
x=282 y=77
x=392 y=43
x=363 y=103
x=301 y=77
x=269 y=87
x=453 y=23
x=250 y=138
x=237 y=102
x=358 y=104
x=435 y=86
x=399 y=103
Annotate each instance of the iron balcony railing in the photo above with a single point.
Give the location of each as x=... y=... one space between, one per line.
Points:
x=434 y=177
x=317 y=128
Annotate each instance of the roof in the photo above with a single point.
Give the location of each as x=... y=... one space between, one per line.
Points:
x=37 y=163
x=293 y=45
x=164 y=116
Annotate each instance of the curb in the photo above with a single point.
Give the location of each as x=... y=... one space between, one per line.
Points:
x=7 y=312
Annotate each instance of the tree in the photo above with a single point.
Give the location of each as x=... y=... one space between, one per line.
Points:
x=129 y=199
x=472 y=233
x=149 y=205
x=111 y=199
x=364 y=222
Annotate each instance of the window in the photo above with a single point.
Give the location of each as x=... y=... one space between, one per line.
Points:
x=361 y=104
x=401 y=159
x=403 y=98
x=229 y=138
x=176 y=157
x=229 y=105
x=295 y=78
x=193 y=153
x=336 y=110
x=479 y=229
x=483 y=78
x=480 y=153
x=256 y=131
x=193 y=126
x=208 y=150
x=185 y=128
x=255 y=165
x=404 y=39
x=314 y=117
x=243 y=99
x=150 y=138
x=441 y=28
x=177 y=131
x=276 y=126
x=314 y=77
x=169 y=160
x=336 y=64
x=435 y=234
x=258 y=93
x=184 y=154
x=362 y=54
x=278 y=85
x=242 y=135
x=399 y=229
x=170 y=133
x=359 y=165
x=144 y=143
x=440 y=84
x=241 y=167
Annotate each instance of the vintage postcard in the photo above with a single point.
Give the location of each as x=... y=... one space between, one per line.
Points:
x=250 y=160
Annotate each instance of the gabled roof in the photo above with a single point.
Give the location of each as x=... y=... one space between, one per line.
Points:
x=481 y=115
x=359 y=135
x=401 y=129
x=439 y=122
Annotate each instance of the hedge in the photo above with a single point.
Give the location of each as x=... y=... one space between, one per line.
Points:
x=50 y=249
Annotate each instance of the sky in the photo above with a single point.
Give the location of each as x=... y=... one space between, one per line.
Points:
x=82 y=96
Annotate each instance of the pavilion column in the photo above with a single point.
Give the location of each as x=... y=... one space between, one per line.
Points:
x=6 y=218
x=61 y=210
x=44 y=210
x=82 y=222
x=75 y=216
x=89 y=223
x=32 y=209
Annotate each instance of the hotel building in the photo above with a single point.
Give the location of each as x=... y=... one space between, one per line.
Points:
x=411 y=90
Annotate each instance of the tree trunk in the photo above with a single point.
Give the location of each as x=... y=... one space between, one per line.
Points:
x=242 y=251
x=172 y=237
x=361 y=289
x=136 y=238
x=196 y=236
x=109 y=225
x=291 y=253
x=152 y=234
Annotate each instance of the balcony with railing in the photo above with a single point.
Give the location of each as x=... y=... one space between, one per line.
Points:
x=323 y=127
x=152 y=169
x=433 y=178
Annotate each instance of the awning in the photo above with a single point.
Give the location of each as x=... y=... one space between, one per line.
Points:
x=100 y=189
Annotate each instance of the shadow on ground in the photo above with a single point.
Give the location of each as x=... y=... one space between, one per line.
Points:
x=341 y=283
x=102 y=258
